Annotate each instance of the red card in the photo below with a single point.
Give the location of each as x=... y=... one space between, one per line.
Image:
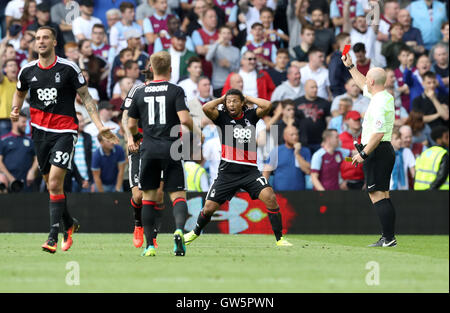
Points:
x=346 y=49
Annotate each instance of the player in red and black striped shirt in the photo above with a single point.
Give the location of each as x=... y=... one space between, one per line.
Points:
x=53 y=83
x=236 y=122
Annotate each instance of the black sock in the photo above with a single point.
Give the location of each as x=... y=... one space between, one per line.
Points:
x=158 y=221
x=148 y=220
x=202 y=221
x=180 y=212
x=67 y=220
x=57 y=204
x=275 y=221
x=386 y=213
x=137 y=210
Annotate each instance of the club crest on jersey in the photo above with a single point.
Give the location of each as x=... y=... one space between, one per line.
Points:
x=247 y=122
x=26 y=142
x=57 y=78
x=338 y=158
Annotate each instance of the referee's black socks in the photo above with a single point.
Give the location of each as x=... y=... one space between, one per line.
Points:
x=57 y=206
x=149 y=215
x=275 y=221
x=386 y=213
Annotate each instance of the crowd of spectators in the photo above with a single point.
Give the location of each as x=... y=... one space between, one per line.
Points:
x=285 y=51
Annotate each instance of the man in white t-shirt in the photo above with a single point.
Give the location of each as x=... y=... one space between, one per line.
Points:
x=361 y=32
x=189 y=84
x=14 y=10
x=82 y=25
x=316 y=71
x=249 y=74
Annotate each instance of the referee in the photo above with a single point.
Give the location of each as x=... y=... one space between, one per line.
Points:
x=378 y=156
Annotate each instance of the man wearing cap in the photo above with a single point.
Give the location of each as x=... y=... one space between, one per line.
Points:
x=43 y=19
x=353 y=176
x=179 y=56
x=83 y=24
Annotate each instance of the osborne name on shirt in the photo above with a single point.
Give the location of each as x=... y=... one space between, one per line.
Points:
x=156 y=88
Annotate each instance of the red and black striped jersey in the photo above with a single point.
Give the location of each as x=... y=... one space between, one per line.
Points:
x=238 y=137
x=52 y=94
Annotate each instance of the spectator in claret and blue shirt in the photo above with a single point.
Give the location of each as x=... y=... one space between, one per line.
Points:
x=290 y=163
x=326 y=162
x=17 y=159
x=108 y=164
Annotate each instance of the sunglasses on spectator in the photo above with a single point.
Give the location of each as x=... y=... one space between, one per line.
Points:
x=251 y=59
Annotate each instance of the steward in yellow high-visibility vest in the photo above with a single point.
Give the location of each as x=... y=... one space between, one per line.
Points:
x=432 y=165
x=196 y=177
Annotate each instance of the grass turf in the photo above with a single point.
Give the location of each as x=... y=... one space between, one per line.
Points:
x=226 y=263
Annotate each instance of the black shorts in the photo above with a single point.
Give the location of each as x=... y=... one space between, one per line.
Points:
x=172 y=171
x=226 y=185
x=378 y=167
x=54 y=149
x=133 y=169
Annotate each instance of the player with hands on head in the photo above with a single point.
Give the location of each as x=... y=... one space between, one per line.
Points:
x=236 y=119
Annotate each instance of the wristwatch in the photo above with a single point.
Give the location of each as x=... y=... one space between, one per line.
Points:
x=363 y=154
x=350 y=67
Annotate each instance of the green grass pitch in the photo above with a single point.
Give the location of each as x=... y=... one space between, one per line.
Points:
x=227 y=263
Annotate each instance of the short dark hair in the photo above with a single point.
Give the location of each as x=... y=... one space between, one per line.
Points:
x=283 y=50
x=438 y=131
x=254 y=25
x=266 y=9
x=430 y=75
x=194 y=59
x=129 y=64
x=287 y=102
x=99 y=26
x=122 y=52
x=404 y=49
x=359 y=47
x=314 y=50
x=234 y=92
x=126 y=5
x=307 y=27
x=51 y=29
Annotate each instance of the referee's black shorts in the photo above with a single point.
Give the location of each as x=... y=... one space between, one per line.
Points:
x=378 y=167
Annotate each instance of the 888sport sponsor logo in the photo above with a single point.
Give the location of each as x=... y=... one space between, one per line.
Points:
x=47 y=95
x=242 y=135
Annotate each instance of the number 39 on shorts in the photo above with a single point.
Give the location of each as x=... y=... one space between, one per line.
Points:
x=61 y=157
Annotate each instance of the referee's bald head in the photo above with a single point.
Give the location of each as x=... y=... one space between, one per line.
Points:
x=376 y=76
